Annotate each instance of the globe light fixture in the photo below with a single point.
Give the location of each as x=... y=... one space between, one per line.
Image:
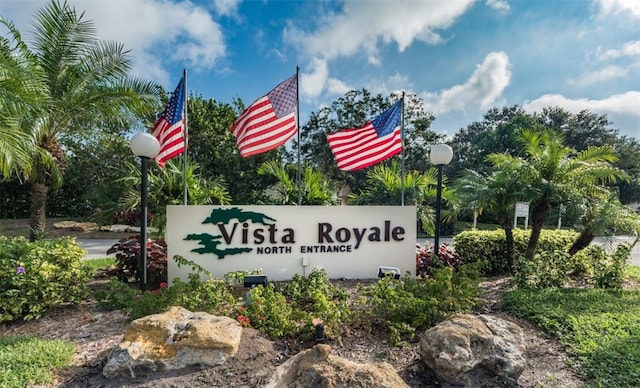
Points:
x=146 y=146
x=440 y=155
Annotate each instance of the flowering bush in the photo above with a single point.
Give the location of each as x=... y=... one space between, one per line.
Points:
x=39 y=276
x=127 y=252
x=426 y=261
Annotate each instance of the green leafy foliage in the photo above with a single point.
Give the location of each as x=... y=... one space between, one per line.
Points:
x=270 y=313
x=547 y=269
x=407 y=305
x=602 y=269
x=39 y=276
x=600 y=328
x=211 y=296
x=316 y=296
x=28 y=360
x=488 y=248
x=592 y=265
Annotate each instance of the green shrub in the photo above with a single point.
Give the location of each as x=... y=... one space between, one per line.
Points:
x=316 y=296
x=408 y=304
x=39 y=276
x=269 y=312
x=488 y=248
x=547 y=269
x=601 y=269
x=211 y=296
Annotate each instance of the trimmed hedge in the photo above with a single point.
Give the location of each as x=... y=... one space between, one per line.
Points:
x=488 y=248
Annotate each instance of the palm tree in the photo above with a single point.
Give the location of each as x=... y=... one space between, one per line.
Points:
x=553 y=173
x=497 y=193
x=600 y=215
x=22 y=89
x=314 y=188
x=166 y=187
x=384 y=187
x=86 y=84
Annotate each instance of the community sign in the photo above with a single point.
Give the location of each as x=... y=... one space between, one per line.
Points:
x=347 y=241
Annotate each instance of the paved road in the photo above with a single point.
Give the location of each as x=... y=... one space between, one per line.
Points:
x=97 y=248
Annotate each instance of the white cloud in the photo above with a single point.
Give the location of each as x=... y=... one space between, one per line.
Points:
x=226 y=7
x=155 y=31
x=315 y=82
x=335 y=87
x=614 y=7
x=361 y=28
x=482 y=89
x=602 y=75
x=499 y=5
x=624 y=104
x=629 y=49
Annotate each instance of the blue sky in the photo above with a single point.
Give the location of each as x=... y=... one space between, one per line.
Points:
x=461 y=57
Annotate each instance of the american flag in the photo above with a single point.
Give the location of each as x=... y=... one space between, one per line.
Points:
x=169 y=129
x=270 y=121
x=380 y=139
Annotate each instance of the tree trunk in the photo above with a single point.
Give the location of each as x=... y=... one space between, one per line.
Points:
x=582 y=241
x=38 y=210
x=539 y=213
x=508 y=232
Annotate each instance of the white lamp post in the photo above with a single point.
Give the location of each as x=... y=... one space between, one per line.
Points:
x=146 y=146
x=440 y=155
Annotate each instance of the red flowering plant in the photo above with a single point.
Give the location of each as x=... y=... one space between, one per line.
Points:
x=426 y=261
x=127 y=252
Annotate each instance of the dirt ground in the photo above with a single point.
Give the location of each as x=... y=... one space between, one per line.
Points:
x=96 y=333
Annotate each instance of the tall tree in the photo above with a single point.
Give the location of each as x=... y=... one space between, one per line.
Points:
x=214 y=149
x=86 y=84
x=555 y=173
x=497 y=132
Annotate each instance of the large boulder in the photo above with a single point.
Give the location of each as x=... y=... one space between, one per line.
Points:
x=174 y=340
x=466 y=348
x=316 y=367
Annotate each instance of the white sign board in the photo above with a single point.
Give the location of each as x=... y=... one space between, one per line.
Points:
x=522 y=209
x=347 y=241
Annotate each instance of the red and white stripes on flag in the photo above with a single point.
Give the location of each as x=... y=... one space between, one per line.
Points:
x=379 y=139
x=169 y=129
x=270 y=121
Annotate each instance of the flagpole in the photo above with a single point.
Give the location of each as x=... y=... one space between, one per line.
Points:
x=402 y=140
x=298 y=125
x=186 y=135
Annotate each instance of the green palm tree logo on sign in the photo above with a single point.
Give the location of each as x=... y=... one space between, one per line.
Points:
x=220 y=217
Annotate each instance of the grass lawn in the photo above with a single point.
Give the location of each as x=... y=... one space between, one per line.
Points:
x=27 y=360
x=600 y=328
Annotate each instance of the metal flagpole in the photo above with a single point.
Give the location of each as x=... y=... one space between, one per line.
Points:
x=186 y=135
x=402 y=141
x=298 y=125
